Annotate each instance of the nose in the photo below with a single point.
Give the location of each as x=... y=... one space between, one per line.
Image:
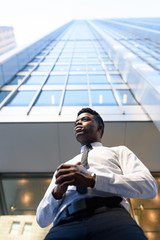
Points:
x=78 y=122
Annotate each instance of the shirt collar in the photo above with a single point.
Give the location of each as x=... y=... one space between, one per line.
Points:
x=94 y=144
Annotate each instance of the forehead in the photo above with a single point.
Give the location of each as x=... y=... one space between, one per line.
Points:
x=85 y=115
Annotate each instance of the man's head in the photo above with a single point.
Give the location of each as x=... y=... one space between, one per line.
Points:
x=89 y=126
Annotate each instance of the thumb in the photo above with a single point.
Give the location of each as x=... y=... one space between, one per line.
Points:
x=79 y=163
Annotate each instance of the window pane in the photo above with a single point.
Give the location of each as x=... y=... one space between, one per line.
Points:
x=78 y=68
x=27 y=229
x=22 y=98
x=92 y=60
x=76 y=98
x=116 y=78
x=95 y=67
x=28 y=68
x=43 y=68
x=49 y=98
x=34 y=80
x=78 y=60
x=3 y=95
x=56 y=79
x=49 y=60
x=102 y=97
x=35 y=59
x=16 y=80
x=110 y=67
x=98 y=79
x=59 y=68
x=77 y=79
x=15 y=228
x=126 y=97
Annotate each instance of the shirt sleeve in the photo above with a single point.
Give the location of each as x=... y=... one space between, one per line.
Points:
x=48 y=206
x=135 y=180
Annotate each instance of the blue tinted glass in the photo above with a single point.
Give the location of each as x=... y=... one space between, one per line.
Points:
x=16 y=80
x=59 y=68
x=98 y=79
x=49 y=60
x=126 y=97
x=96 y=67
x=92 y=60
x=78 y=68
x=28 y=68
x=43 y=68
x=106 y=59
x=35 y=59
x=49 y=98
x=56 y=79
x=116 y=78
x=102 y=98
x=76 y=98
x=110 y=67
x=22 y=98
x=34 y=80
x=78 y=60
x=77 y=79
x=3 y=95
x=64 y=60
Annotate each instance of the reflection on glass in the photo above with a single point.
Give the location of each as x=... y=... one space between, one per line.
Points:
x=102 y=98
x=126 y=97
x=49 y=98
x=59 y=68
x=78 y=68
x=16 y=80
x=76 y=98
x=43 y=68
x=22 y=98
x=77 y=79
x=35 y=80
x=56 y=79
x=116 y=78
x=94 y=67
x=98 y=79
x=3 y=95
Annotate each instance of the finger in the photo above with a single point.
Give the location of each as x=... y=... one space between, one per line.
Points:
x=79 y=163
x=65 y=180
x=64 y=166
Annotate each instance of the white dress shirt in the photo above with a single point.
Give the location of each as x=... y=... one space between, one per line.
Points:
x=118 y=173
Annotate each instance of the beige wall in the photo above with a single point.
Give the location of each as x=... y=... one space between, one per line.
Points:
x=36 y=233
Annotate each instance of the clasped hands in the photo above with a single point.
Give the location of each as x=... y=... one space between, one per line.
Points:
x=75 y=175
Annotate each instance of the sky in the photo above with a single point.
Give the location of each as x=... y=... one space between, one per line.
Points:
x=32 y=19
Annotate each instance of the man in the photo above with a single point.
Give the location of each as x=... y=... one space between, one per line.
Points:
x=87 y=196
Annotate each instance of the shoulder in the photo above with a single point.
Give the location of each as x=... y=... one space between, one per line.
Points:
x=118 y=150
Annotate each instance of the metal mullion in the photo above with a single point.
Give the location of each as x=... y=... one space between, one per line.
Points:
x=88 y=85
x=112 y=87
x=41 y=86
x=65 y=84
x=5 y=101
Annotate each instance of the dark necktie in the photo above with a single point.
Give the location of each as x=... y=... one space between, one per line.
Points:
x=84 y=161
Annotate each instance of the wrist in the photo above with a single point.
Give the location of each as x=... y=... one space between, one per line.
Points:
x=56 y=194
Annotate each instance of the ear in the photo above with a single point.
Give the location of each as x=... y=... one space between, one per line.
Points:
x=100 y=128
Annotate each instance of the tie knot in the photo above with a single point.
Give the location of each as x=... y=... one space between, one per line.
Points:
x=89 y=146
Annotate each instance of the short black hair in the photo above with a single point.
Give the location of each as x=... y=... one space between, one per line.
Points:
x=96 y=115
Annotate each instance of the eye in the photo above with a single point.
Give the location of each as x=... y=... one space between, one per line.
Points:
x=85 y=119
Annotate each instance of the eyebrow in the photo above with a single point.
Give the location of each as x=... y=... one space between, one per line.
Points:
x=81 y=119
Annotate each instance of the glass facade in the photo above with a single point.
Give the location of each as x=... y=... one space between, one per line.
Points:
x=68 y=71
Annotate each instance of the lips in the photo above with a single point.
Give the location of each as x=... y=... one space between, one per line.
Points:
x=78 y=129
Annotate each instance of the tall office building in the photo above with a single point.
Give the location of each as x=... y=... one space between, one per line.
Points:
x=7 y=39
x=112 y=66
